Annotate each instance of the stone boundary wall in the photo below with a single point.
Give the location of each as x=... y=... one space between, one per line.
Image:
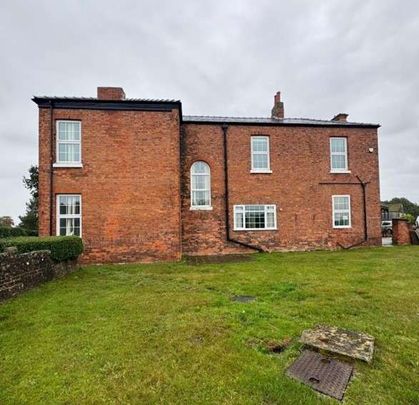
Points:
x=21 y=272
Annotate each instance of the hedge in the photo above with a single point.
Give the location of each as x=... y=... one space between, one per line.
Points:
x=7 y=232
x=61 y=247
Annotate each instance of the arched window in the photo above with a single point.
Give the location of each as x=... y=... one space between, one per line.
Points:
x=200 y=186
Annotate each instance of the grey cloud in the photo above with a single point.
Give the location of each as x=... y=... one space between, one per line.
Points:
x=219 y=57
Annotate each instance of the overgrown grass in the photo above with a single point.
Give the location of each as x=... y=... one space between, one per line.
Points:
x=169 y=333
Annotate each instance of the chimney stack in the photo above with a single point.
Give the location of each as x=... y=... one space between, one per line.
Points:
x=340 y=117
x=110 y=93
x=278 y=108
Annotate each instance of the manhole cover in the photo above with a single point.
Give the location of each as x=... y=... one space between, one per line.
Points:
x=323 y=374
x=346 y=342
x=243 y=298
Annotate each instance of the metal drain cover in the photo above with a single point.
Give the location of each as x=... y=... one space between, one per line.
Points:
x=243 y=298
x=323 y=374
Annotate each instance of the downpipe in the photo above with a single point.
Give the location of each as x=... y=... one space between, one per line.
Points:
x=364 y=200
x=51 y=176
x=224 y=127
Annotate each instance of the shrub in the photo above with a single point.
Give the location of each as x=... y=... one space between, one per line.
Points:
x=61 y=247
x=410 y=218
x=7 y=232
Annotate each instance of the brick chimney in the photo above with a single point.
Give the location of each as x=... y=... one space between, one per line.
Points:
x=278 y=108
x=110 y=93
x=340 y=117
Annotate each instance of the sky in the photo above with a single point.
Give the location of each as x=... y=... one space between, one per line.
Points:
x=218 y=57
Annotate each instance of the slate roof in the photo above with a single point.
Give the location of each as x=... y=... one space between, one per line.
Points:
x=393 y=207
x=203 y=119
x=93 y=103
x=167 y=104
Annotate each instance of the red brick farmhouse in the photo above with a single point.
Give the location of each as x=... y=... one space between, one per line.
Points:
x=139 y=181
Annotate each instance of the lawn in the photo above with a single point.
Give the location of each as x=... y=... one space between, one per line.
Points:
x=170 y=333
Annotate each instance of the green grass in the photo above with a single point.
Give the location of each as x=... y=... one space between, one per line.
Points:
x=169 y=333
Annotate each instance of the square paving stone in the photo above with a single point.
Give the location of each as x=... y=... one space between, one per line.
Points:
x=341 y=341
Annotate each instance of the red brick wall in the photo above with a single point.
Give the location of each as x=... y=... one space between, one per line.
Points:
x=129 y=183
x=131 y=178
x=110 y=93
x=299 y=162
x=44 y=161
x=401 y=231
x=204 y=232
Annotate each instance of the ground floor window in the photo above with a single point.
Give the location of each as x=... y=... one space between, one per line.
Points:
x=68 y=215
x=341 y=205
x=254 y=217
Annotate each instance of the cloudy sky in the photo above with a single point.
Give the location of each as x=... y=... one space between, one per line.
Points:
x=220 y=58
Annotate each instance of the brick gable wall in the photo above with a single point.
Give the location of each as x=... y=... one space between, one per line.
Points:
x=129 y=183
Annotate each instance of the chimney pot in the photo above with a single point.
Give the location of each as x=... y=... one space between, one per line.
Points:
x=340 y=117
x=278 y=108
x=110 y=93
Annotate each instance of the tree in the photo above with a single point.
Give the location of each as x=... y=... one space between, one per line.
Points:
x=6 y=222
x=29 y=221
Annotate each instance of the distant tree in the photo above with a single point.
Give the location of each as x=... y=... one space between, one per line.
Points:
x=410 y=218
x=408 y=206
x=29 y=221
x=7 y=222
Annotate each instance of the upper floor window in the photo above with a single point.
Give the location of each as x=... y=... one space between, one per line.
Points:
x=68 y=215
x=200 y=186
x=338 y=155
x=341 y=205
x=260 y=154
x=68 y=143
x=254 y=217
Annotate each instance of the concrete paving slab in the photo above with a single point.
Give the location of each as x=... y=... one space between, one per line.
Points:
x=341 y=341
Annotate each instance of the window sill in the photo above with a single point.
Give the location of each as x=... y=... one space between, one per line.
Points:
x=342 y=227
x=68 y=165
x=340 y=172
x=255 y=229
x=201 y=208
x=261 y=171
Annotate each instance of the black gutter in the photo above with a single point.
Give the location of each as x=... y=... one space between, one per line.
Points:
x=364 y=200
x=118 y=105
x=224 y=127
x=111 y=106
x=51 y=177
x=46 y=99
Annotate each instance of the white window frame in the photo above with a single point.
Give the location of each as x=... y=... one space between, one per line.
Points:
x=59 y=216
x=337 y=211
x=268 y=153
x=243 y=208
x=346 y=169
x=59 y=163
x=200 y=207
